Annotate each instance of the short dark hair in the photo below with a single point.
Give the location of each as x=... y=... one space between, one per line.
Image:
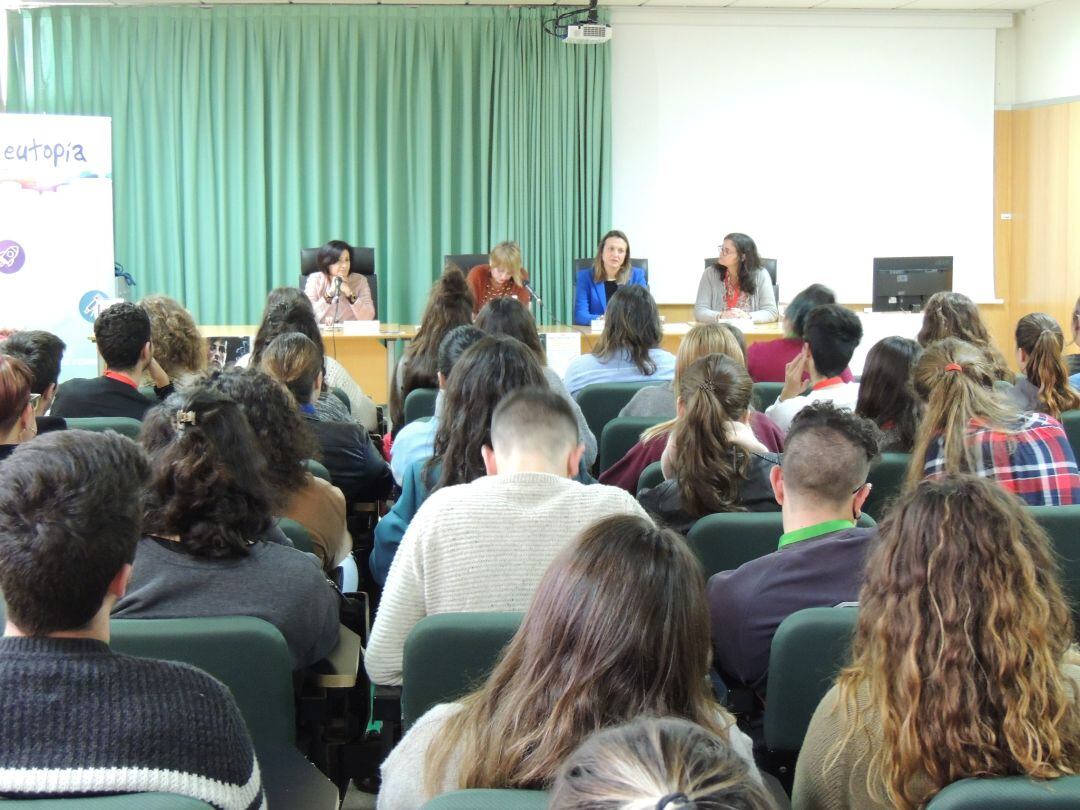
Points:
x=805 y=300
x=330 y=253
x=454 y=344
x=828 y=452
x=71 y=508
x=208 y=479
x=534 y=417
x=121 y=331
x=833 y=332
x=41 y=351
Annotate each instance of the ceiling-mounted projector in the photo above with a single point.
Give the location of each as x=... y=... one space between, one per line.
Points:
x=588 y=33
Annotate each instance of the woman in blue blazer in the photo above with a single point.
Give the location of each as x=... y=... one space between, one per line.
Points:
x=611 y=269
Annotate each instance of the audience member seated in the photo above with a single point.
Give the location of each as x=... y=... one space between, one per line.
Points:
x=485 y=373
x=610 y=270
x=766 y=360
x=713 y=462
x=702 y=340
x=77 y=717
x=953 y=315
x=122 y=333
x=1043 y=384
x=416 y=441
x=657 y=762
x=354 y=462
x=42 y=352
x=17 y=423
x=179 y=347
x=335 y=291
x=288 y=310
x=967 y=427
x=503 y=276
x=617 y=628
x=286 y=441
x=449 y=305
x=736 y=286
x=629 y=347
x=504 y=316
x=820 y=486
x=886 y=394
x=1072 y=361
x=962 y=663
x=207 y=506
x=832 y=333
x=484 y=546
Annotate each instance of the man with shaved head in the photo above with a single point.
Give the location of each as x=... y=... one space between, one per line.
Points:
x=820 y=486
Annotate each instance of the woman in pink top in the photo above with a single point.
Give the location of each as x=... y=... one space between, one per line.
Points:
x=336 y=293
x=766 y=360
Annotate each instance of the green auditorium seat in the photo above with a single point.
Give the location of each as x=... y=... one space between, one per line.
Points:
x=300 y=536
x=317 y=469
x=448 y=655
x=124 y=425
x=887 y=477
x=1009 y=793
x=1070 y=420
x=765 y=394
x=723 y=542
x=651 y=476
x=343 y=397
x=620 y=434
x=250 y=657
x=1062 y=523
x=489 y=800
x=419 y=403
x=601 y=402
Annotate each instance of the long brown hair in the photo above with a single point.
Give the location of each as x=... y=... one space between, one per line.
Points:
x=508 y=316
x=1041 y=339
x=715 y=391
x=962 y=634
x=449 y=304
x=954 y=315
x=599 y=274
x=749 y=262
x=618 y=627
x=956 y=381
x=631 y=324
x=702 y=340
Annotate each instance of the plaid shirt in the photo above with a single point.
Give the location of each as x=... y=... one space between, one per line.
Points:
x=1036 y=461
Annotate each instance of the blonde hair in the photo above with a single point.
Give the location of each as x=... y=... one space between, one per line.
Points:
x=634 y=766
x=702 y=340
x=962 y=634
x=507 y=256
x=179 y=347
x=1040 y=337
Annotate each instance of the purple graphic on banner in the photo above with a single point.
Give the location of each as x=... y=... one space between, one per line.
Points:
x=12 y=256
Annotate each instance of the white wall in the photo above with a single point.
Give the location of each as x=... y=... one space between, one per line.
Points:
x=830 y=139
x=1048 y=52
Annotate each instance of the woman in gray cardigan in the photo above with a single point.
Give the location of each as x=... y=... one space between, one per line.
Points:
x=737 y=286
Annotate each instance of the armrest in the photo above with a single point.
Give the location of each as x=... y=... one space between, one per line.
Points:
x=340 y=668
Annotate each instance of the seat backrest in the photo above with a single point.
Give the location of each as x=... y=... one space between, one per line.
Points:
x=808 y=650
x=601 y=402
x=723 y=542
x=124 y=425
x=887 y=477
x=448 y=655
x=301 y=537
x=318 y=469
x=1070 y=420
x=343 y=398
x=126 y=801
x=768 y=264
x=419 y=403
x=1062 y=523
x=489 y=800
x=581 y=264
x=465 y=261
x=765 y=394
x=1009 y=793
x=248 y=655
x=361 y=260
x=620 y=434
x=651 y=476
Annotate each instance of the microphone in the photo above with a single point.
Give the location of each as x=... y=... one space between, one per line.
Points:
x=533 y=292
x=337 y=287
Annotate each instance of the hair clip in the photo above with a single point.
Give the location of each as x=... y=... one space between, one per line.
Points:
x=664 y=801
x=954 y=367
x=706 y=386
x=182 y=419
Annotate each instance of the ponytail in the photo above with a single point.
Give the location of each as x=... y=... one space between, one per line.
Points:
x=1040 y=337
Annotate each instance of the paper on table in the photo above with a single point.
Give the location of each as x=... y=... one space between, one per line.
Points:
x=741 y=324
x=561 y=348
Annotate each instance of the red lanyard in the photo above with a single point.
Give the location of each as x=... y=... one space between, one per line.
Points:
x=124 y=378
x=827 y=383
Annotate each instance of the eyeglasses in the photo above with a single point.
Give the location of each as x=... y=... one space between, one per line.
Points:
x=725 y=251
x=34 y=400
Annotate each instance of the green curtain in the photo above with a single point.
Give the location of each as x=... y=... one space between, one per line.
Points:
x=243 y=133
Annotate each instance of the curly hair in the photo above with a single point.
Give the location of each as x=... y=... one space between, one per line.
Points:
x=953 y=315
x=179 y=347
x=631 y=325
x=962 y=633
x=282 y=434
x=208 y=478
x=121 y=331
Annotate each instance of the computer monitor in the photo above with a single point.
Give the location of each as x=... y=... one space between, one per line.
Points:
x=904 y=284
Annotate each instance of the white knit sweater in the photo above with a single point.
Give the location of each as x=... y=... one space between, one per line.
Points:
x=481 y=546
